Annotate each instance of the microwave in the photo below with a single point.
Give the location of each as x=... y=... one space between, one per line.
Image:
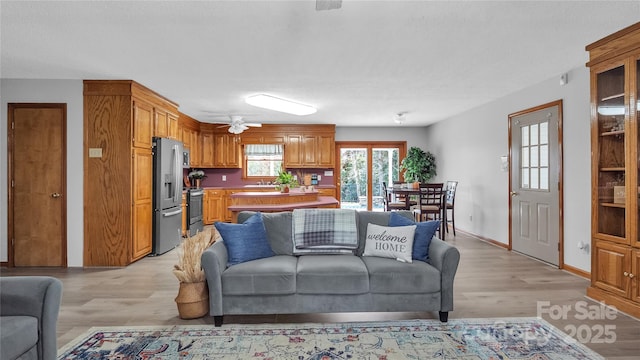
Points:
x=185 y=159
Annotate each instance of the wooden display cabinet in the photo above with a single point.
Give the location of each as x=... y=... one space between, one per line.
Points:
x=615 y=87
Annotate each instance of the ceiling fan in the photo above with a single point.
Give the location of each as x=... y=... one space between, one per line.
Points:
x=237 y=125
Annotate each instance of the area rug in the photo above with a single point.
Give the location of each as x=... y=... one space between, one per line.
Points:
x=511 y=338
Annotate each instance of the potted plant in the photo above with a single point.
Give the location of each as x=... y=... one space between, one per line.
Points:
x=197 y=175
x=418 y=165
x=193 y=294
x=284 y=181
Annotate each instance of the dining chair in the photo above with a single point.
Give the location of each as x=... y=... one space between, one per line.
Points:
x=389 y=204
x=431 y=204
x=403 y=198
x=449 y=204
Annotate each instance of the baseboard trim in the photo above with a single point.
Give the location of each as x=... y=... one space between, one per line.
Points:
x=576 y=271
x=487 y=240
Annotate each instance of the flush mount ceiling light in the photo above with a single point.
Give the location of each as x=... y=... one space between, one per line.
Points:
x=278 y=104
x=399 y=119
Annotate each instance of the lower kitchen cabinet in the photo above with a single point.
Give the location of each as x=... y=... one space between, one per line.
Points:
x=214 y=209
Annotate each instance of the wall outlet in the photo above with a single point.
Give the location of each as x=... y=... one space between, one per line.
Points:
x=224 y=177
x=319 y=177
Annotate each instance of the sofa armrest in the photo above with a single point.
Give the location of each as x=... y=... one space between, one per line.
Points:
x=214 y=262
x=445 y=258
x=37 y=296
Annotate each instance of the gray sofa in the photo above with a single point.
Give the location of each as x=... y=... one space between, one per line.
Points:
x=29 y=307
x=288 y=284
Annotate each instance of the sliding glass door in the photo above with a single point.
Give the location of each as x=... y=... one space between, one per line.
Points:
x=363 y=169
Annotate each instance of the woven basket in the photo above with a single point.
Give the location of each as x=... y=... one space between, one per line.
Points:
x=193 y=300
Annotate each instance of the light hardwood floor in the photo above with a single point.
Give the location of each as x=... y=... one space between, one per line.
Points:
x=491 y=282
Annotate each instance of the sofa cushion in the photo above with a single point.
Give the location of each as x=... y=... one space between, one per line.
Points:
x=373 y=217
x=278 y=226
x=269 y=276
x=19 y=334
x=332 y=274
x=424 y=233
x=246 y=241
x=390 y=242
x=388 y=276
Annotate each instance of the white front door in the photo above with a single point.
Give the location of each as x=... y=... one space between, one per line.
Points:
x=535 y=182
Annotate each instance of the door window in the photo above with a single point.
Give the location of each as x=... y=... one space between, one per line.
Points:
x=534 y=165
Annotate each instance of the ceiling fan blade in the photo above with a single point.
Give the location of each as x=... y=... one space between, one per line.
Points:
x=253 y=124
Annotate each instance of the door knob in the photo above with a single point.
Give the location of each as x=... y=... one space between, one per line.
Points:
x=625 y=273
x=631 y=276
x=513 y=193
x=55 y=195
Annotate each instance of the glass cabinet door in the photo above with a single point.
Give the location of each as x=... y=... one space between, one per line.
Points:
x=611 y=203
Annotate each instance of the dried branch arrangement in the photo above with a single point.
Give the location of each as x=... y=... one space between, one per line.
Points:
x=189 y=269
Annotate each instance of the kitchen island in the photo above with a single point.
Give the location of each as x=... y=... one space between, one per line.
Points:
x=275 y=201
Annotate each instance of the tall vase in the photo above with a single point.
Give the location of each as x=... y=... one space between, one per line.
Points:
x=193 y=300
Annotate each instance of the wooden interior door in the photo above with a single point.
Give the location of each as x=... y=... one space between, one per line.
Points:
x=37 y=200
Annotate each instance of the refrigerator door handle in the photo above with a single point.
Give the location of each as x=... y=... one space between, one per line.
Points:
x=178 y=176
x=175 y=212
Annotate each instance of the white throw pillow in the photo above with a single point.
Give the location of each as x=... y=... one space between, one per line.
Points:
x=390 y=242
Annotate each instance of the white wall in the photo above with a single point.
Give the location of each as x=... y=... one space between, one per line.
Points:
x=49 y=91
x=414 y=136
x=468 y=149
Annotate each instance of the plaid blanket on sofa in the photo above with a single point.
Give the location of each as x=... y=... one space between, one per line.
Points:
x=326 y=229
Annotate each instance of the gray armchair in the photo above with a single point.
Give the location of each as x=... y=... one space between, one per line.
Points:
x=29 y=307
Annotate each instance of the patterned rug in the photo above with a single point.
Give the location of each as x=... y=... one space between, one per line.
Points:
x=511 y=338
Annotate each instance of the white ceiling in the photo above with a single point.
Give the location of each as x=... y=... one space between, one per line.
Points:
x=359 y=65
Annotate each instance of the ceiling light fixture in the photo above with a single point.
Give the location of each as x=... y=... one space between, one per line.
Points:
x=399 y=119
x=278 y=104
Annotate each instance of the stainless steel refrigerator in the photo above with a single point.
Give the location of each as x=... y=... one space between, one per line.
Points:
x=167 y=194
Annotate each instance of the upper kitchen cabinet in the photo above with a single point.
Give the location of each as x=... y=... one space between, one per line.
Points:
x=165 y=124
x=226 y=153
x=142 y=124
x=208 y=148
x=190 y=137
x=119 y=121
x=310 y=147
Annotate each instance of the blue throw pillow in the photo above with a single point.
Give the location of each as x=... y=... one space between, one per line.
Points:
x=422 y=238
x=246 y=241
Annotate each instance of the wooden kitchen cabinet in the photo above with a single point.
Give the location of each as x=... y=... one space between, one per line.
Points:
x=172 y=126
x=326 y=151
x=615 y=237
x=142 y=202
x=142 y=124
x=119 y=120
x=309 y=151
x=226 y=150
x=160 y=124
x=208 y=149
x=214 y=209
x=326 y=192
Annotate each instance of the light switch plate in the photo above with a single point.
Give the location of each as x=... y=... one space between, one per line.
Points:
x=95 y=152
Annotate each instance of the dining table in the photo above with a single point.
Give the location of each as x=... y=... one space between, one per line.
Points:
x=404 y=192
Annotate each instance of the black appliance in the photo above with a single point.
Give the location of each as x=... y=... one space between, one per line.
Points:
x=194 y=210
x=167 y=194
x=314 y=179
